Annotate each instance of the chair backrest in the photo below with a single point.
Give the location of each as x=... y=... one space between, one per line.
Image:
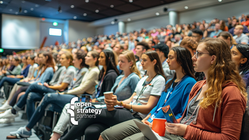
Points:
x=244 y=135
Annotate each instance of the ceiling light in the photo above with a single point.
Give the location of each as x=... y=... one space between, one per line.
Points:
x=36 y=5
x=23 y=1
x=25 y=11
x=129 y=19
x=75 y=17
x=97 y=11
x=219 y=0
x=72 y=6
x=112 y=22
x=31 y=9
x=11 y=10
x=130 y=0
x=16 y=13
x=87 y=1
x=1 y=2
x=157 y=14
x=186 y=7
x=111 y=6
x=85 y=14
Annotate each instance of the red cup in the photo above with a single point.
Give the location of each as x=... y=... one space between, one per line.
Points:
x=158 y=126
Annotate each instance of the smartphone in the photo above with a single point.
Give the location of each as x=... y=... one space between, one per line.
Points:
x=169 y=115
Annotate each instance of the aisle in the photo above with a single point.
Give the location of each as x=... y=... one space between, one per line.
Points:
x=6 y=128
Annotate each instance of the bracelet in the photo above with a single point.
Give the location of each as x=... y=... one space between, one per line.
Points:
x=121 y=103
x=131 y=106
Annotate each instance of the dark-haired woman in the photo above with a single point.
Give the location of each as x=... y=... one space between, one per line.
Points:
x=109 y=72
x=145 y=97
x=176 y=95
x=240 y=56
x=59 y=100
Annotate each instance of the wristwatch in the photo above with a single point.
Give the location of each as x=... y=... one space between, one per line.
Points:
x=131 y=110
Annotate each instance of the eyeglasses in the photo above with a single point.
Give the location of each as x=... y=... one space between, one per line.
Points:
x=197 y=54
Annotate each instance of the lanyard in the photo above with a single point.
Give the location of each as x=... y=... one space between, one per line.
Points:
x=167 y=97
x=144 y=87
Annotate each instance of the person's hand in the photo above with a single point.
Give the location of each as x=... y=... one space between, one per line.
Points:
x=111 y=102
x=94 y=100
x=61 y=93
x=176 y=128
x=11 y=76
x=39 y=84
x=46 y=85
x=147 y=123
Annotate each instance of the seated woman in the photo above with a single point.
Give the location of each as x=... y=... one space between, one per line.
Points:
x=45 y=74
x=108 y=74
x=59 y=100
x=12 y=79
x=216 y=105
x=35 y=92
x=123 y=87
x=176 y=95
x=16 y=71
x=145 y=97
x=240 y=56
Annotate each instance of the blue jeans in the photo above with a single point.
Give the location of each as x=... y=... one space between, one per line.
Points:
x=38 y=89
x=58 y=101
x=11 y=81
x=32 y=98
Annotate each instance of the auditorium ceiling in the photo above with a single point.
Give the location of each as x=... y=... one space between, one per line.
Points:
x=84 y=10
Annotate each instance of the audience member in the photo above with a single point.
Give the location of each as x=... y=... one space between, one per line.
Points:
x=235 y=22
x=239 y=36
x=162 y=51
x=197 y=35
x=216 y=31
x=240 y=56
x=140 y=49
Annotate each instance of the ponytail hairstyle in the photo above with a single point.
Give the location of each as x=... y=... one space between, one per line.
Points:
x=80 y=54
x=158 y=66
x=129 y=55
x=69 y=56
x=184 y=58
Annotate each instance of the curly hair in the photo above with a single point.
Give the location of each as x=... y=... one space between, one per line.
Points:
x=222 y=71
